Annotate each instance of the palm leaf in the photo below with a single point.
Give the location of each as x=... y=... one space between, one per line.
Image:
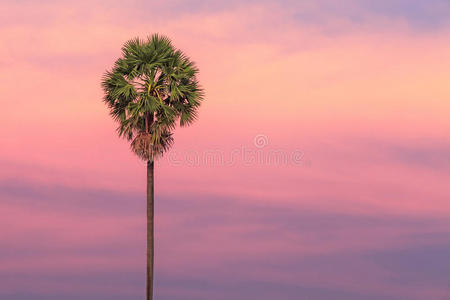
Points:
x=150 y=89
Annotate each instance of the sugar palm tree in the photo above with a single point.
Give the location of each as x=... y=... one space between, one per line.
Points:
x=151 y=88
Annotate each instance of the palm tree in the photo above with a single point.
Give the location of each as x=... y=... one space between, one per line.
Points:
x=151 y=88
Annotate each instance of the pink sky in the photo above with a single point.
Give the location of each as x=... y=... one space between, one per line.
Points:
x=361 y=93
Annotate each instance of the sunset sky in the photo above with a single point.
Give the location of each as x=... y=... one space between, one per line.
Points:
x=354 y=95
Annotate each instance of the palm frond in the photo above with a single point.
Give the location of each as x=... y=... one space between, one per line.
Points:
x=150 y=89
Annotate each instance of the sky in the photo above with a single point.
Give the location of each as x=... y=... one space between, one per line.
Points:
x=319 y=167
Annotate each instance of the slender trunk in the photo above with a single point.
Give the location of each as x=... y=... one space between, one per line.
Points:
x=150 y=229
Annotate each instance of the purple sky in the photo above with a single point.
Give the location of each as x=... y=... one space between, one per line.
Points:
x=319 y=168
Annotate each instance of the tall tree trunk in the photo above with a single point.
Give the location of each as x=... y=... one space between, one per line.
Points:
x=150 y=229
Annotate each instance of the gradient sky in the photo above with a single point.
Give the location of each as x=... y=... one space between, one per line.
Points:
x=354 y=93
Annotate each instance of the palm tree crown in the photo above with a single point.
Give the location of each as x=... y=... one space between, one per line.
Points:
x=150 y=89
